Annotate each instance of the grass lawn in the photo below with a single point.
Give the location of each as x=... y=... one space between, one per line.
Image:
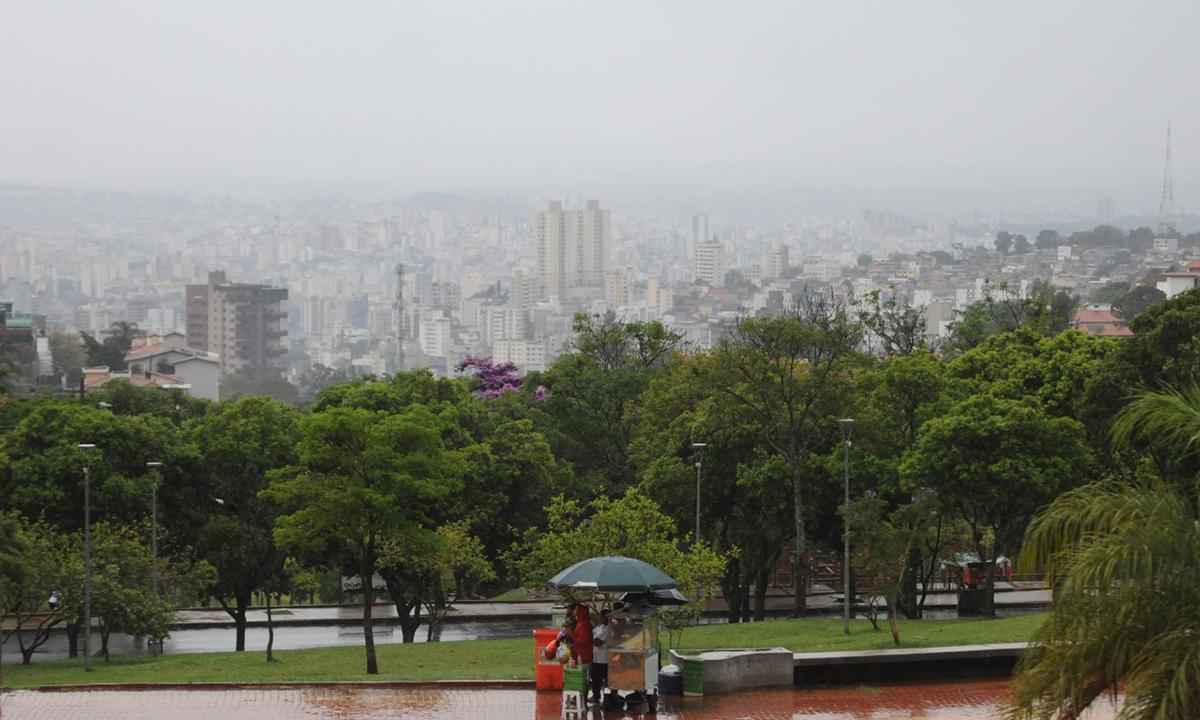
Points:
x=495 y=659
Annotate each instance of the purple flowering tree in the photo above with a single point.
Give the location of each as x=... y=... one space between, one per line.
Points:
x=494 y=378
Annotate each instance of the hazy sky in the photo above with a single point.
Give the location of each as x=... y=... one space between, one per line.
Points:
x=903 y=92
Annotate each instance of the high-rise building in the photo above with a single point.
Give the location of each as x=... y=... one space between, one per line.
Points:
x=708 y=263
x=572 y=250
x=616 y=288
x=244 y=324
x=777 y=262
x=699 y=231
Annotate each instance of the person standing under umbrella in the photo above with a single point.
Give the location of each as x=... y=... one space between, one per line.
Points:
x=583 y=637
x=599 y=674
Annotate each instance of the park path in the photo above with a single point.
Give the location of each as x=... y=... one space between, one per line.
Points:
x=1008 y=596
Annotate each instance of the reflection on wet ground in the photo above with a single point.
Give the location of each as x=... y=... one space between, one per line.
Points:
x=948 y=701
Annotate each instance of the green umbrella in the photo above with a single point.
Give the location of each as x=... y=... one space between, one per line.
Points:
x=612 y=574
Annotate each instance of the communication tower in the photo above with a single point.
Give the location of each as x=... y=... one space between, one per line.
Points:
x=1166 y=204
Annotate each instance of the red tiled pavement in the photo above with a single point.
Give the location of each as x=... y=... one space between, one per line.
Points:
x=951 y=701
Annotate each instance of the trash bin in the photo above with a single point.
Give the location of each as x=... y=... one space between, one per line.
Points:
x=670 y=681
x=548 y=674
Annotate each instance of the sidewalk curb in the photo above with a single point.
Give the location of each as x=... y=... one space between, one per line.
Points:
x=299 y=684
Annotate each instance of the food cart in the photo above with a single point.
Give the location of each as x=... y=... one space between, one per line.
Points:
x=632 y=591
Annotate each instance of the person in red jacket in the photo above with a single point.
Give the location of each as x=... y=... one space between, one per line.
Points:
x=583 y=637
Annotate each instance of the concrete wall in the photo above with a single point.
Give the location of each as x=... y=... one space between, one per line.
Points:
x=728 y=671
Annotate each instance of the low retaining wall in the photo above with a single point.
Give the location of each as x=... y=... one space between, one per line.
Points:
x=713 y=672
x=882 y=666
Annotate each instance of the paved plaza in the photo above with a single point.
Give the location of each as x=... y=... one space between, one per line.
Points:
x=950 y=701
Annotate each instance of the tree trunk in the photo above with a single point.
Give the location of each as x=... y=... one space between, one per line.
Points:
x=105 y=632
x=907 y=600
x=746 y=585
x=760 y=595
x=270 y=631
x=368 y=591
x=238 y=614
x=408 y=630
x=891 y=618
x=800 y=548
x=732 y=590
x=73 y=640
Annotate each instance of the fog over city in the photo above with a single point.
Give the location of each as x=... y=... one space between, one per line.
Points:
x=426 y=95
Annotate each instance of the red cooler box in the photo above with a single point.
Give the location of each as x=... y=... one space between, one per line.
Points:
x=548 y=674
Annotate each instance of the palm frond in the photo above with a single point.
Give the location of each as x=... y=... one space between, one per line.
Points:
x=1168 y=419
x=1127 y=605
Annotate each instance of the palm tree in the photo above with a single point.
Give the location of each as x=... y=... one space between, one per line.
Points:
x=1126 y=563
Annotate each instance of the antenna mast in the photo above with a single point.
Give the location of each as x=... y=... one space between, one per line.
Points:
x=1166 y=204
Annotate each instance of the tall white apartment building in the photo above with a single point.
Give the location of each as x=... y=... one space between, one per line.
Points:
x=708 y=263
x=433 y=334
x=616 y=288
x=699 y=231
x=777 y=262
x=572 y=250
x=525 y=354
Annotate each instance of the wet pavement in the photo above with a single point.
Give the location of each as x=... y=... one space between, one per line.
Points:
x=949 y=701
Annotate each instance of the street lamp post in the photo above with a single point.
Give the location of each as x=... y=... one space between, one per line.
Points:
x=847 y=425
x=699 y=446
x=154 y=465
x=87 y=560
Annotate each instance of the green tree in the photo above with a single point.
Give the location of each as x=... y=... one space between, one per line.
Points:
x=124 y=596
x=883 y=543
x=864 y=260
x=1137 y=301
x=631 y=526
x=1021 y=245
x=779 y=370
x=46 y=478
x=1165 y=347
x=362 y=479
x=240 y=443
x=49 y=565
x=897 y=326
x=590 y=390
x=67 y=356
x=995 y=462
x=110 y=352
x=744 y=493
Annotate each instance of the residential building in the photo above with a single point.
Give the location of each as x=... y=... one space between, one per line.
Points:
x=777 y=262
x=708 y=263
x=616 y=288
x=1100 y=321
x=169 y=355
x=572 y=250
x=1174 y=283
x=244 y=324
x=527 y=355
